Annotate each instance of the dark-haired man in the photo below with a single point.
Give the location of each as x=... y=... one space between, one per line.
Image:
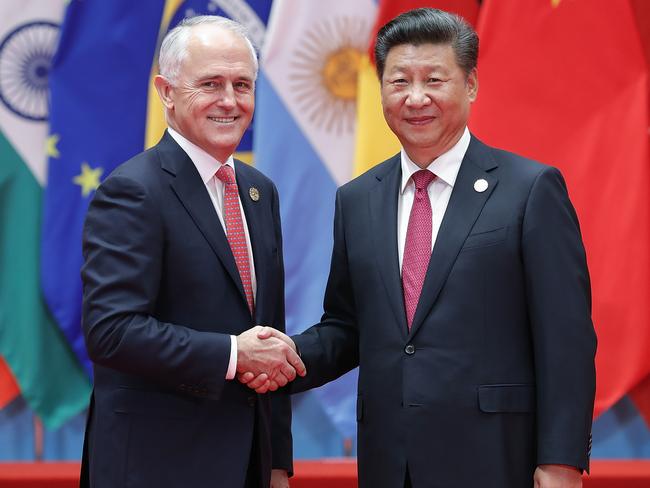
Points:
x=459 y=286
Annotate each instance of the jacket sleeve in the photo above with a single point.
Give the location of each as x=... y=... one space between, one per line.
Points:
x=559 y=304
x=123 y=251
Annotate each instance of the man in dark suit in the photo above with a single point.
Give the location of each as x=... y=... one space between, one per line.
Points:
x=183 y=256
x=459 y=286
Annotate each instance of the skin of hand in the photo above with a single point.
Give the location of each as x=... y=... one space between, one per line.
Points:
x=271 y=358
x=557 y=476
x=279 y=478
x=261 y=383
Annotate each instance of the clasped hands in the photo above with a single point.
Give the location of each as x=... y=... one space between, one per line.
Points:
x=267 y=359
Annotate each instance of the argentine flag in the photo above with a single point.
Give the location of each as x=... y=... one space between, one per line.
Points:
x=304 y=141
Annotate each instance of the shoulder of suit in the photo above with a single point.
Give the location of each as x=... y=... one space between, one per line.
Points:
x=509 y=161
x=141 y=171
x=373 y=175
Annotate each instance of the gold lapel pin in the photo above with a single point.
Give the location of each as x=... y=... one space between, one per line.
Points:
x=480 y=185
x=254 y=193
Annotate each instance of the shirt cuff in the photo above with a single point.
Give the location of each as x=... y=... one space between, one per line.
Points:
x=232 y=364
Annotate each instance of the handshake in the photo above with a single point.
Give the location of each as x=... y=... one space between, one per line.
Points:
x=267 y=359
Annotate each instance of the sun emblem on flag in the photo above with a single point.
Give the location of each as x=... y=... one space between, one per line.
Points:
x=25 y=59
x=325 y=69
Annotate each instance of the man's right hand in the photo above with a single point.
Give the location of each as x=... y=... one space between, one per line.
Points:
x=267 y=359
x=263 y=382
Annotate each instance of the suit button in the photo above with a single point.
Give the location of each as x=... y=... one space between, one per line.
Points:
x=251 y=401
x=409 y=349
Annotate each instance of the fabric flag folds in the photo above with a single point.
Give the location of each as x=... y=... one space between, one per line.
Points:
x=374 y=140
x=98 y=106
x=304 y=141
x=51 y=381
x=554 y=88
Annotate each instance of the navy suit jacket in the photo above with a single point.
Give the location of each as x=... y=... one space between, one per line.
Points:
x=162 y=295
x=496 y=374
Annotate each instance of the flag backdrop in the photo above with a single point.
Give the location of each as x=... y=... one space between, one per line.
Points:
x=304 y=141
x=98 y=86
x=566 y=82
x=9 y=388
x=103 y=113
x=51 y=381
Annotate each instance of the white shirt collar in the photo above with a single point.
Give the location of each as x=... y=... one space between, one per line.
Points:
x=445 y=166
x=205 y=164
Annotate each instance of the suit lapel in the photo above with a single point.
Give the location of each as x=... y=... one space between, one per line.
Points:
x=190 y=190
x=463 y=209
x=256 y=230
x=383 y=221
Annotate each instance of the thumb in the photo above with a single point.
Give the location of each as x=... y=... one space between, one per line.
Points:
x=265 y=332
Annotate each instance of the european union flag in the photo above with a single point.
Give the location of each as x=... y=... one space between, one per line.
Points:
x=99 y=80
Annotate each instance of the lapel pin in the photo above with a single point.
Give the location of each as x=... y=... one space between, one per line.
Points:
x=480 y=185
x=254 y=193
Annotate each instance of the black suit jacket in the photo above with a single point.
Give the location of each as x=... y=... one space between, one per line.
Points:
x=162 y=294
x=497 y=374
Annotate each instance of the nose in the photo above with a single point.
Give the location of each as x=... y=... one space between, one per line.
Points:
x=226 y=98
x=417 y=97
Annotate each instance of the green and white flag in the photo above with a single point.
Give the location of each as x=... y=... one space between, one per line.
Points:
x=50 y=379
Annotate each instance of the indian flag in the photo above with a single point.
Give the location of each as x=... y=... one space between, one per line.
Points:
x=44 y=368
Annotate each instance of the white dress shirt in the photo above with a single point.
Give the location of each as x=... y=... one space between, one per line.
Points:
x=207 y=166
x=445 y=167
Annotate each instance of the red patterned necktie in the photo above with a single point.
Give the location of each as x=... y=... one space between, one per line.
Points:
x=417 y=249
x=235 y=230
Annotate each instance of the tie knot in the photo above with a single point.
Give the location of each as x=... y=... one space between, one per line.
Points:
x=422 y=178
x=226 y=174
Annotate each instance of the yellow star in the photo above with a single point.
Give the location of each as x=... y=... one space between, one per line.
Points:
x=88 y=180
x=50 y=146
x=555 y=3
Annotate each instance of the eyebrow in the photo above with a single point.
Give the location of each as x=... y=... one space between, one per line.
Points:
x=208 y=76
x=436 y=66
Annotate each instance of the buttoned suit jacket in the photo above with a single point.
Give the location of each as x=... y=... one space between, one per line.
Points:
x=162 y=295
x=496 y=374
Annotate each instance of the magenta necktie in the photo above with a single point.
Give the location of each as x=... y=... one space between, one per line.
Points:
x=417 y=250
x=235 y=230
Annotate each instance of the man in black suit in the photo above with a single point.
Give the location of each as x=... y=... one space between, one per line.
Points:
x=183 y=256
x=459 y=286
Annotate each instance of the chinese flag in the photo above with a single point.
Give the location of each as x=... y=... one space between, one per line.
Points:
x=8 y=386
x=566 y=82
x=374 y=140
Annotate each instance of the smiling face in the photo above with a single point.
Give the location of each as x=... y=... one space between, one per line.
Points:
x=426 y=98
x=212 y=101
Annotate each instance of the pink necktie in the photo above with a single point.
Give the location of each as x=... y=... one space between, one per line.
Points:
x=417 y=249
x=235 y=230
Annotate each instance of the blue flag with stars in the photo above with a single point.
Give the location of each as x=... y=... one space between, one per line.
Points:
x=99 y=80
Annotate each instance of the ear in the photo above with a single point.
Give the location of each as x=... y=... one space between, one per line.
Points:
x=472 y=85
x=164 y=89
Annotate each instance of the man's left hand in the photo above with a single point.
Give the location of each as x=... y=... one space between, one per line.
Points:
x=557 y=476
x=279 y=478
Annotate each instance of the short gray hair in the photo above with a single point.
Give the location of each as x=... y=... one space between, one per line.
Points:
x=174 y=46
